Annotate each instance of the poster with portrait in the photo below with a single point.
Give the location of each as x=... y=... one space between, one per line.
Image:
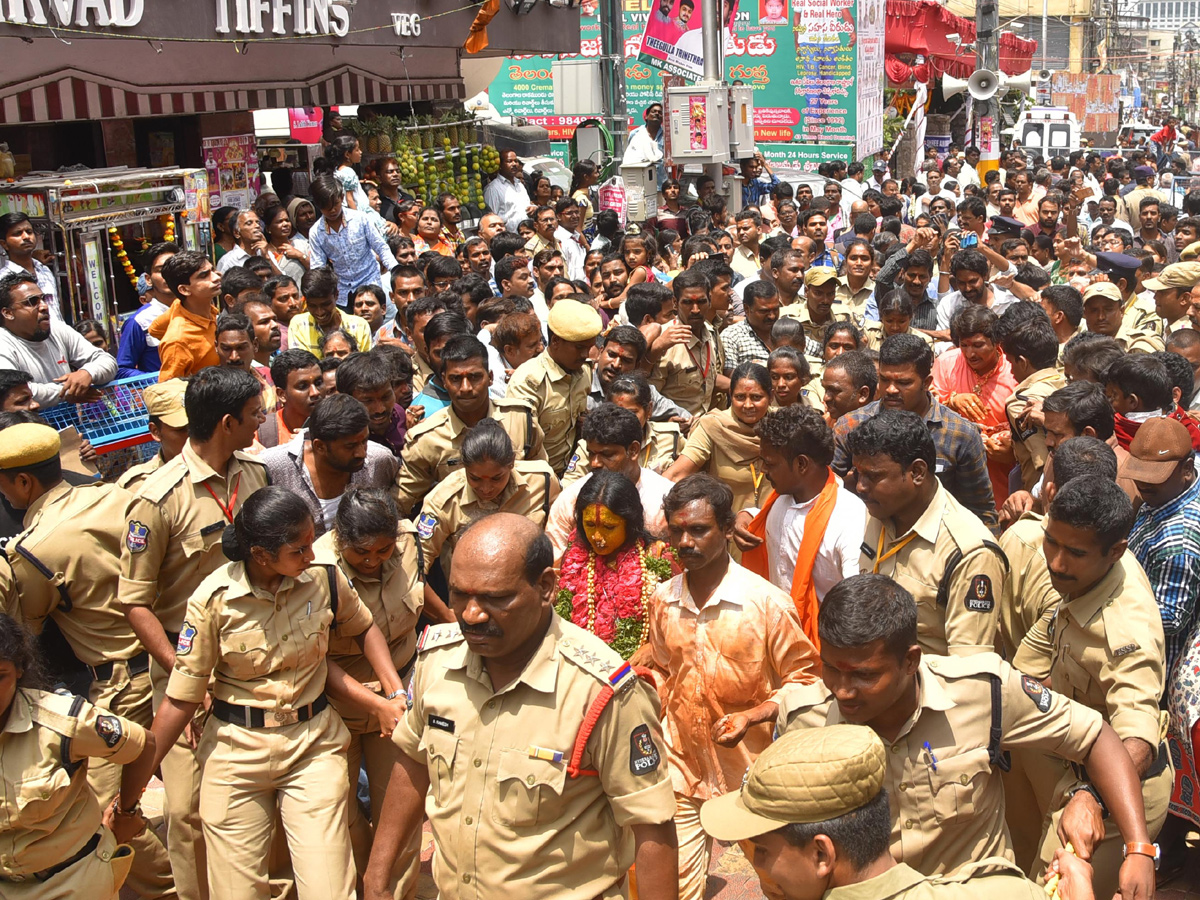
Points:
x=232 y=165
x=674 y=39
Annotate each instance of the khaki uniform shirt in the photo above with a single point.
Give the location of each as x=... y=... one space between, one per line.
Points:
x=1029 y=444
x=395 y=596
x=433 y=448
x=131 y=479
x=1028 y=594
x=453 y=505
x=968 y=621
x=854 y=302
x=814 y=332
x=661 y=446
x=985 y=881
x=260 y=649
x=422 y=372
x=727 y=450
x=1141 y=315
x=47 y=811
x=1109 y=651
x=1139 y=340
x=558 y=398
x=506 y=818
x=873 y=332
x=66 y=564
x=687 y=373
x=744 y=646
x=173 y=531
x=948 y=808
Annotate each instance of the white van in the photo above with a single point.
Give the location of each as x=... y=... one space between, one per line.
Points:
x=1048 y=130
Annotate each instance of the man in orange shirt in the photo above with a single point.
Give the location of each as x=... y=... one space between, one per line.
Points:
x=728 y=642
x=189 y=343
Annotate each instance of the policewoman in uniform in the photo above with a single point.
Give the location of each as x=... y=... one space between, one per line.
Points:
x=258 y=629
x=378 y=552
x=662 y=442
x=52 y=843
x=491 y=480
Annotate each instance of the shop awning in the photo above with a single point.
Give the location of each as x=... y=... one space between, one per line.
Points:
x=920 y=27
x=83 y=91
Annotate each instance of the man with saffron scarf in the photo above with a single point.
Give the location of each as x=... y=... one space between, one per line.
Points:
x=808 y=534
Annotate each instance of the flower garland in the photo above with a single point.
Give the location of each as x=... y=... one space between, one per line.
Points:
x=610 y=596
x=168 y=224
x=118 y=245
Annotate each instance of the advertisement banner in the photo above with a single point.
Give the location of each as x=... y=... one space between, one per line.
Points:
x=673 y=38
x=1092 y=98
x=834 y=95
x=232 y=165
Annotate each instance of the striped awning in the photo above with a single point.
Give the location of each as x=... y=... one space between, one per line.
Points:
x=69 y=95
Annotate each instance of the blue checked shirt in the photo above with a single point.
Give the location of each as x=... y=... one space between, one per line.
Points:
x=354 y=251
x=961 y=459
x=1166 y=541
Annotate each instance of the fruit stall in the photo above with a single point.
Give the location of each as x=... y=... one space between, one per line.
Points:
x=445 y=154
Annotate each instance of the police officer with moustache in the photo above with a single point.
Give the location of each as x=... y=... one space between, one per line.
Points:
x=947 y=723
x=524 y=798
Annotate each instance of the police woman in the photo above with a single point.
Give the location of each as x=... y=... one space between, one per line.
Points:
x=259 y=627
x=52 y=845
x=380 y=555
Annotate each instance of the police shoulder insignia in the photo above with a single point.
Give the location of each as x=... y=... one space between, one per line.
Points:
x=1125 y=651
x=643 y=754
x=135 y=539
x=425 y=525
x=571 y=464
x=438 y=636
x=109 y=729
x=187 y=636
x=1037 y=692
x=867 y=550
x=979 y=595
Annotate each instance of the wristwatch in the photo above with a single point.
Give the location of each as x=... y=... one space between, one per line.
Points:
x=1138 y=848
x=1088 y=789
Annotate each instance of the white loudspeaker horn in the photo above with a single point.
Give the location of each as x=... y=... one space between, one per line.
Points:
x=952 y=87
x=1020 y=83
x=983 y=84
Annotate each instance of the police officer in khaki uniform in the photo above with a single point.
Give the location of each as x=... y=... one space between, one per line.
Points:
x=555 y=384
x=52 y=845
x=692 y=372
x=947 y=723
x=1032 y=352
x=796 y=807
x=820 y=298
x=380 y=555
x=172 y=542
x=1139 y=313
x=1106 y=314
x=521 y=802
x=1108 y=654
x=919 y=535
x=65 y=566
x=491 y=481
x=168 y=426
x=258 y=629
x=433 y=448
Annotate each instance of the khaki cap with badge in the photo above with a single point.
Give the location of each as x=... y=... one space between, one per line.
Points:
x=1176 y=275
x=164 y=401
x=808 y=775
x=818 y=275
x=1104 y=289
x=574 y=321
x=1156 y=451
x=28 y=444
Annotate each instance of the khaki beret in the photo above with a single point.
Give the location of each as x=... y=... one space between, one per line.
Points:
x=1103 y=289
x=28 y=444
x=164 y=401
x=574 y=321
x=1176 y=275
x=1190 y=252
x=820 y=275
x=809 y=775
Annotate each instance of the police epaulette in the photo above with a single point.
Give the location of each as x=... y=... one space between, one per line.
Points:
x=599 y=666
x=439 y=636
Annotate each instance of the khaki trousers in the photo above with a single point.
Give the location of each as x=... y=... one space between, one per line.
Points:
x=181 y=772
x=378 y=755
x=130 y=696
x=95 y=877
x=254 y=775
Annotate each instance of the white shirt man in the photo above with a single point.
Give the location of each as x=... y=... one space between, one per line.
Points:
x=62 y=353
x=507 y=199
x=838 y=554
x=46 y=282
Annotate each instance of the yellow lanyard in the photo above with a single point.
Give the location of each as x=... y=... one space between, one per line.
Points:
x=756 y=477
x=881 y=557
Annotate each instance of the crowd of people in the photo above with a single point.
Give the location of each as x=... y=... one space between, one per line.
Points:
x=860 y=529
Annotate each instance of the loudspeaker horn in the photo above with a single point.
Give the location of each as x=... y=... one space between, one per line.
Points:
x=952 y=87
x=983 y=84
x=1020 y=83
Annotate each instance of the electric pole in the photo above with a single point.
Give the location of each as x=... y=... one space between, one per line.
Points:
x=987 y=112
x=612 y=73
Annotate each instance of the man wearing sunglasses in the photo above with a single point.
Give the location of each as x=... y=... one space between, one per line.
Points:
x=64 y=366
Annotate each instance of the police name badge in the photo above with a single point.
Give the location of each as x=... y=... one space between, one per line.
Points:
x=137 y=536
x=643 y=754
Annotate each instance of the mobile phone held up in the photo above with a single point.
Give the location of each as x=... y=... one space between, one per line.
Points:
x=970 y=239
